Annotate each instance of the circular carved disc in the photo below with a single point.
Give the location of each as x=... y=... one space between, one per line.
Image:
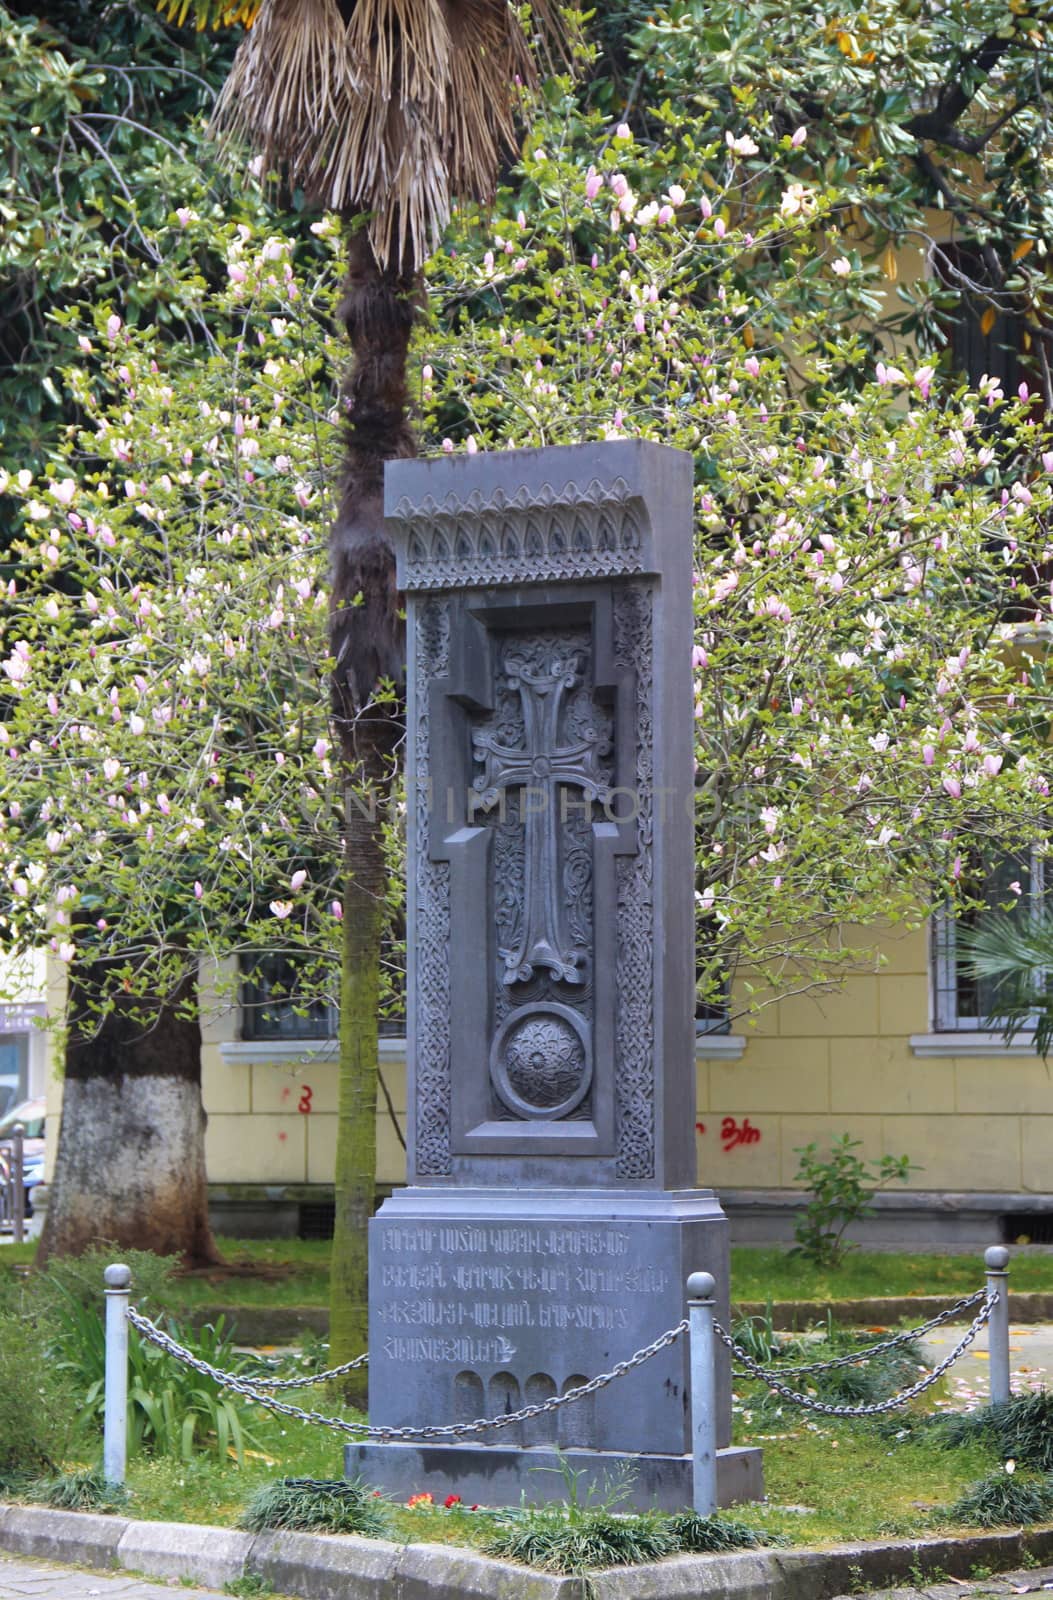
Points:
x=541 y=1061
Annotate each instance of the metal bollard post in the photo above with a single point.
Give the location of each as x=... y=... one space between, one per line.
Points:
x=701 y=1287
x=996 y=1260
x=115 y=1426
x=18 y=1183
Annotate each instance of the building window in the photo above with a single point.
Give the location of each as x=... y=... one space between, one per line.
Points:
x=961 y=1001
x=270 y=1008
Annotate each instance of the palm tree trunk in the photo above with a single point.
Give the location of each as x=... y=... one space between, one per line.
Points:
x=368 y=647
x=130 y=1165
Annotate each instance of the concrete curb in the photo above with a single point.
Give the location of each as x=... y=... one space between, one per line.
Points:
x=335 y=1566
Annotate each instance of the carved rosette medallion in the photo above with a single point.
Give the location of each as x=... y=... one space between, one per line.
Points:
x=541 y=1061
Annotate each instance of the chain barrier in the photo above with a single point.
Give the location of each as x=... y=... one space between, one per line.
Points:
x=272 y=1385
x=872 y=1349
x=250 y=1390
x=262 y=1391
x=807 y=1403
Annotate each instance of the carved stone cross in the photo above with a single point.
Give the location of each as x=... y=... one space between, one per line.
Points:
x=539 y=769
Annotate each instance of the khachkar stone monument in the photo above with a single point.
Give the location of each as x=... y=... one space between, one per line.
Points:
x=551 y=1217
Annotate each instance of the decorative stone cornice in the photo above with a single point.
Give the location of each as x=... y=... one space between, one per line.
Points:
x=549 y=534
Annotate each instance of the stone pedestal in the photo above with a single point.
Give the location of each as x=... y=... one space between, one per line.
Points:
x=552 y=1217
x=483 y=1301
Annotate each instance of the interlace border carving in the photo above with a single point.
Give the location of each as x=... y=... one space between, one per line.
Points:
x=432 y=1092
x=634 y=1024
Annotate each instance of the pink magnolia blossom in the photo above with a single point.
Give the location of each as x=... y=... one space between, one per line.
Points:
x=336 y=907
x=298 y=879
x=953 y=788
x=281 y=909
x=923 y=380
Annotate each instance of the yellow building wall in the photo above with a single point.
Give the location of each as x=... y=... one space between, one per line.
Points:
x=859 y=1061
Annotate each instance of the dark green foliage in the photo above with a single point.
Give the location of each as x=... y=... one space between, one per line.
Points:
x=78 y=1491
x=79 y=1279
x=1020 y=1431
x=317 y=1505
x=560 y=1539
x=172 y=1410
x=700 y=1535
x=1004 y=1499
x=37 y=1404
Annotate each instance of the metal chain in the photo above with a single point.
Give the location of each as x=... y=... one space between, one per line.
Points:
x=886 y=1344
x=250 y=1391
x=808 y=1404
x=273 y=1384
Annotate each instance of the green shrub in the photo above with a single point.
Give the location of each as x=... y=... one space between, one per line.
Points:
x=78 y=1491
x=1020 y=1430
x=840 y=1188
x=37 y=1405
x=1004 y=1499
x=317 y=1505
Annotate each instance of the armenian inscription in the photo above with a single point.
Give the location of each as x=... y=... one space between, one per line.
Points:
x=499 y=1280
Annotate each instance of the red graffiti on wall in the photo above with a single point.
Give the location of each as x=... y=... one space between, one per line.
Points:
x=733 y=1134
x=304 y=1106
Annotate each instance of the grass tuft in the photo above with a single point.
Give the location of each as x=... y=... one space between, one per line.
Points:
x=317 y=1505
x=78 y=1491
x=1004 y=1499
x=701 y=1535
x=1020 y=1430
x=589 y=1539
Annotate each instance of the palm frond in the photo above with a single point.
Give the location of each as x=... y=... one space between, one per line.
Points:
x=383 y=107
x=1015 y=953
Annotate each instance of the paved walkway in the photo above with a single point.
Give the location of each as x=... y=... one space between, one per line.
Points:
x=1033 y=1580
x=22 y=1579
x=1030 y=1358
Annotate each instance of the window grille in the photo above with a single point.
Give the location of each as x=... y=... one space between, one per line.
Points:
x=961 y=1001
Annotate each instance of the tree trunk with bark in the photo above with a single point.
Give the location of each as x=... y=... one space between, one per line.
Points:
x=367 y=641
x=130 y=1163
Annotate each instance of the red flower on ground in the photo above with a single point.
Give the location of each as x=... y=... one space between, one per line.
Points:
x=415 y=1500
x=452 y=1500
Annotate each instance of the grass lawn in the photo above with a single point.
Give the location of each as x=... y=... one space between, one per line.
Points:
x=864 y=1274
x=857 y=1484
x=295 y=1272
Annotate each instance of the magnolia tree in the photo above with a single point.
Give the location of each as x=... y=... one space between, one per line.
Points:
x=872 y=564
x=169 y=794
x=870 y=593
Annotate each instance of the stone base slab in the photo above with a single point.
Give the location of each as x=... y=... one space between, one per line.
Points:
x=497 y=1475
